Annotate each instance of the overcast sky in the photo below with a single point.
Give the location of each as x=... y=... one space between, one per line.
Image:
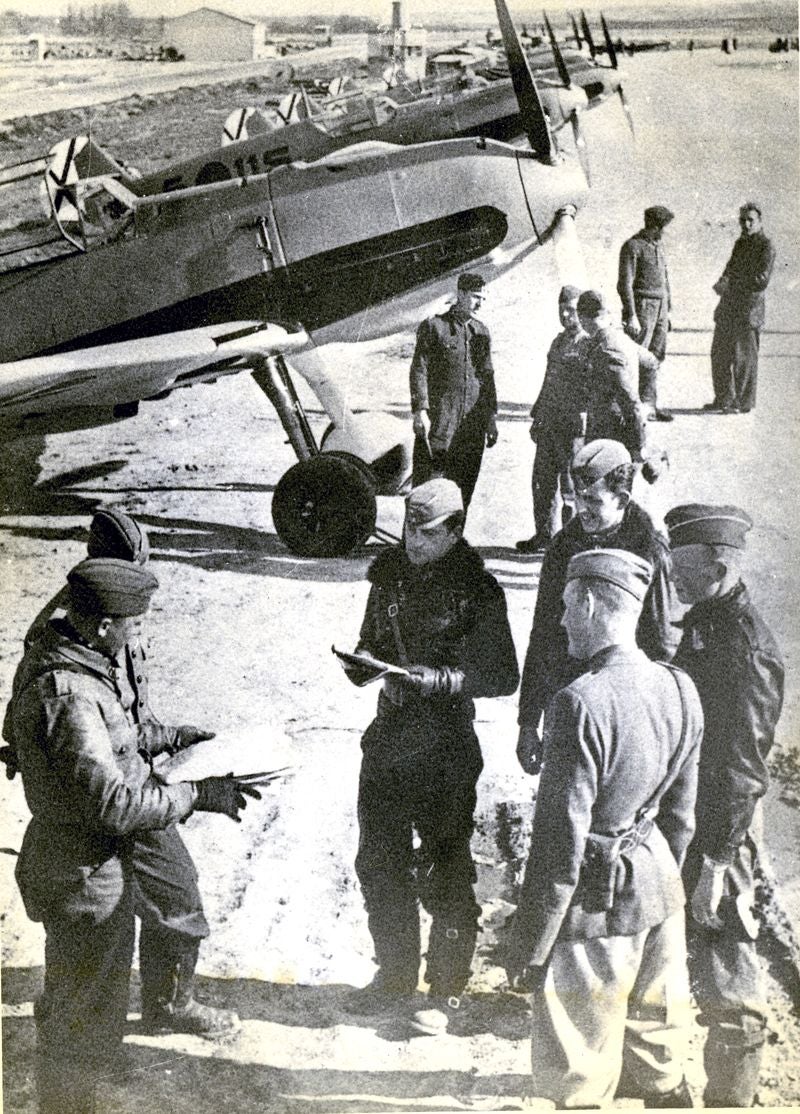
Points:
x=422 y=10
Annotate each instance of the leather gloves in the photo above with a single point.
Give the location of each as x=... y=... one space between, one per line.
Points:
x=529 y=749
x=708 y=893
x=9 y=757
x=186 y=736
x=225 y=795
x=429 y=680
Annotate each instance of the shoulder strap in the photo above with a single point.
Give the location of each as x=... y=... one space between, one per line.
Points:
x=677 y=755
x=393 y=611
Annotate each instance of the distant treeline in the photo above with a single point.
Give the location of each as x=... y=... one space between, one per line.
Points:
x=340 y=24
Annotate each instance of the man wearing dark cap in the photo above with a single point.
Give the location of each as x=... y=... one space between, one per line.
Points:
x=91 y=795
x=168 y=900
x=558 y=415
x=453 y=396
x=434 y=610
x=607 y=517
x=730 y=654
x=643 y=287
x=598 y=936
x=613 y=366
x=739 y=316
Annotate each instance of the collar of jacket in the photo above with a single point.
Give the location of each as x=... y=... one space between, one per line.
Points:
x=453 y=319
x=59 y=642
x=459 y=564
x=610 y=654
x=707 y=612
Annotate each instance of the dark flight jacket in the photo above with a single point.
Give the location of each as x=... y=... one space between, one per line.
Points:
x=748 y=272
x=730 y=654
x=548 y=666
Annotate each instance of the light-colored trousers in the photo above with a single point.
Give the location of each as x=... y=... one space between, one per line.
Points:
x=609 y=999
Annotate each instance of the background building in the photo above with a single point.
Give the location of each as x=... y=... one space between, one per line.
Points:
x=206 y=34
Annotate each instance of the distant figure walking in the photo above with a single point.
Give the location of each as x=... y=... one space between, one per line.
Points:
x=739 y=316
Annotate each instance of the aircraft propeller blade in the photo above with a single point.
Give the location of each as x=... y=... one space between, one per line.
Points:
x=626 y=108
x=531 y=109
x=587 y=34
x=580 y=145
x=561 y=66
x=610 y=48
x=575 y=31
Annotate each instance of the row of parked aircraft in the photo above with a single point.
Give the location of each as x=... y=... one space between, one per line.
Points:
x=336 y=227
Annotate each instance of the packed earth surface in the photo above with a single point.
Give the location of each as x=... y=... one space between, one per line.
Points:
x=240 y=631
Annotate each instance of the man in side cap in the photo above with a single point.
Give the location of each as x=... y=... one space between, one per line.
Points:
x=558 y=416
x=607 y=517
x=453 y=395
x=91 y=795
x=643 y=287
x=614 y=364
x=435 y=611
x=598 y=936
x=739 y=316
x=729 y=652
x=168 y=901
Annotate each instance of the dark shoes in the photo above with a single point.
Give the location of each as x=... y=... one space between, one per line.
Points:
x=376 y=998
x=661 y=416
x=192 y=1017
x=537 y=544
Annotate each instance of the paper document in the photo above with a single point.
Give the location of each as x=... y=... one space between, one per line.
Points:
x=362 y=668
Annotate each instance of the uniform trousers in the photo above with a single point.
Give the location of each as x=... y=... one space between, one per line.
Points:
x=165 y=885
x=734 y=362
x=435 y=797
x=551 y=476
x=654 y=321
x=608 y=1000
x=80 y=1017
x=459 y=462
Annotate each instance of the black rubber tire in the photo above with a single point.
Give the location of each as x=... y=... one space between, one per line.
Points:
x=324 y=506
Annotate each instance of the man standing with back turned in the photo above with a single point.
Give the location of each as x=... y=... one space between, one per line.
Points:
x=739 y=317
x=643 y=287
x=730 y=654
x=453 y=396
x=598 y=936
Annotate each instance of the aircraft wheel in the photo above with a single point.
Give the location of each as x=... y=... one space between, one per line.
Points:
x=324 y=506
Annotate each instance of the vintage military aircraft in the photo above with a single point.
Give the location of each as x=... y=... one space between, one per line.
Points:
x=156 y=292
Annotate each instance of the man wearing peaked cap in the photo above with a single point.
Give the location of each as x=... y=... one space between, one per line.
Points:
x=453 y=395
x=607 y=517
x=643 y=287
x=557 y=420
x=168 y=900
x=730 y=653
x=602 y=890
x=435 y=611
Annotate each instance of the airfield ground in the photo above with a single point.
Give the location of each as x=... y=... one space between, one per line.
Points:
x=241 y=629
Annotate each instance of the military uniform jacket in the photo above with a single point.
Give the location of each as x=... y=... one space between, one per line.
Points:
x=609 y=737
x=565 y=390
x=747 y=272
x=731 y=656
x=642 y=273
x=548 y=666
x=451 y=612
x=613 y=375
x=87 y=785
x=452 y=374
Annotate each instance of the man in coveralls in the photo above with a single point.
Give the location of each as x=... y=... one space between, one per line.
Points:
x=606 y=518
x=168 y=901
x=739 y=316
x=643 y=287
x=599 y=936
x=434 y=609
x=89 y=787
x=453 y=396
x=730 y=654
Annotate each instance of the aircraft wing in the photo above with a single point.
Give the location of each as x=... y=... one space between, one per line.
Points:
x=121 y=374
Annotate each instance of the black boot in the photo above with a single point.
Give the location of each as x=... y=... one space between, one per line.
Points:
x=167 y=967
x=64 y=1087
x=732 y=1069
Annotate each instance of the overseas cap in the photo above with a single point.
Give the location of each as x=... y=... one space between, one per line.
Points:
x=706 y=524
x=569 y=294
x=115 y=534
x=113 y=587
x=431 y=503
x=598 y=458
x=616 y=566
x=658 y=215
x=591 y=302
x=471 y=281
